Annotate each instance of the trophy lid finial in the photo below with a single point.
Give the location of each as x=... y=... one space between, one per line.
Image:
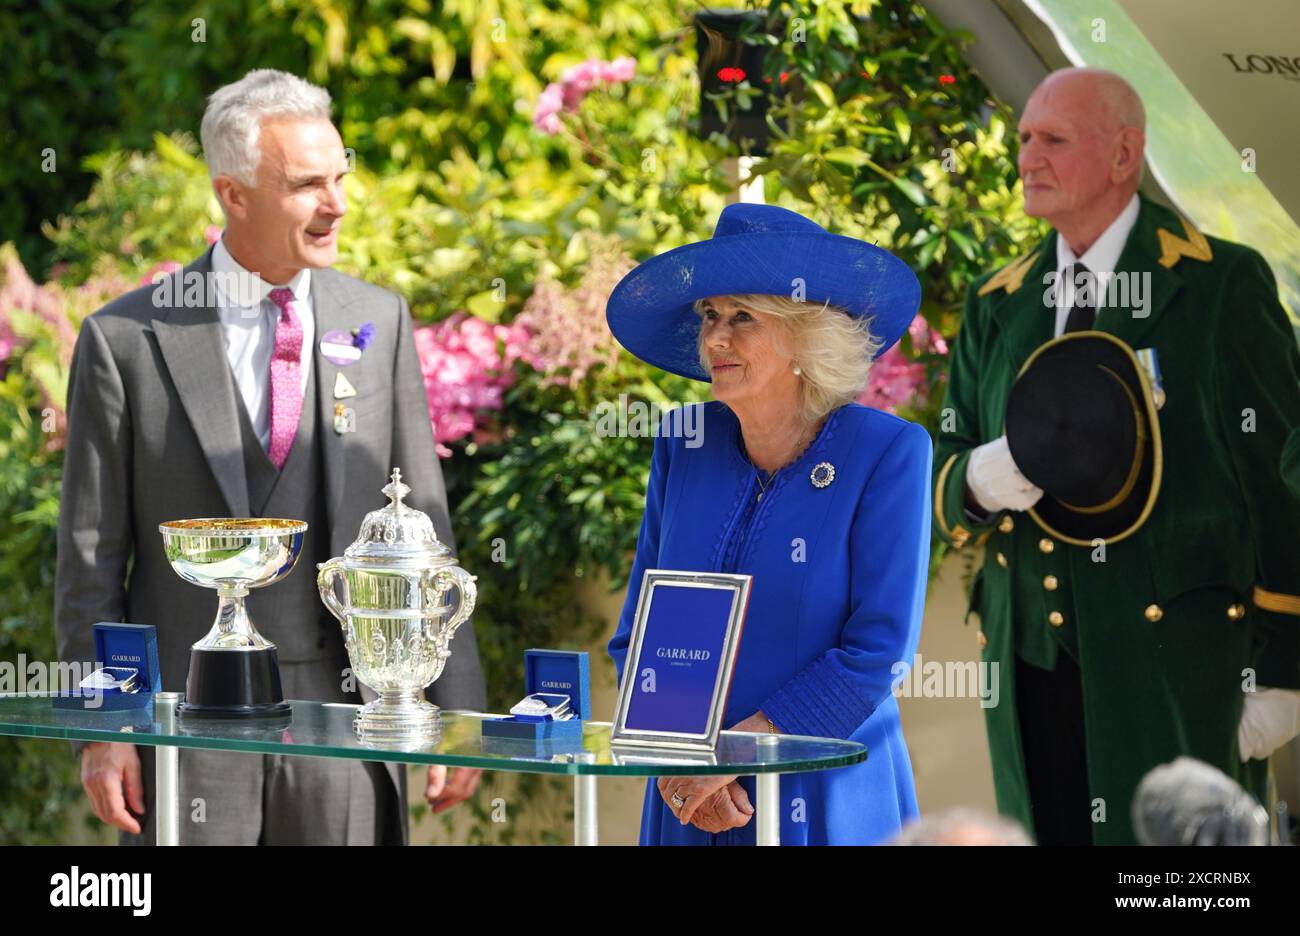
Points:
x=397 y=530
x=395 y=489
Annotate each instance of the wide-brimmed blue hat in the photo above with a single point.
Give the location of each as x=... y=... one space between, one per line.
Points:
x=756 y=249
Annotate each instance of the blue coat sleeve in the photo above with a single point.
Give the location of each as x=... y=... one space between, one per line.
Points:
x=889 y=551
x=647 y=548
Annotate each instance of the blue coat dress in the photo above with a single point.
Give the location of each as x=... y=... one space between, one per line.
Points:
x=839 y=576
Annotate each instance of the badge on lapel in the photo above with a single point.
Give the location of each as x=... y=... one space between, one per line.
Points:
x=344 y=347
x=1151 y=364
x=343 y=388
x=345 y=419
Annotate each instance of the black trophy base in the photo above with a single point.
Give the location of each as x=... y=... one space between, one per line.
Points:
x=234 y=684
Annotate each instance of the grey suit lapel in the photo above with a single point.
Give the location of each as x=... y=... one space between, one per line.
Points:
x=333 y=310
x=194 y=350
x=331 y=313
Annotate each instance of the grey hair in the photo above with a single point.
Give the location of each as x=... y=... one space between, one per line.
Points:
x=233 y=119
x=832 y=348
x=962 y=827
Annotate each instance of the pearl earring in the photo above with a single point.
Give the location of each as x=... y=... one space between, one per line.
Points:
x=797 y=371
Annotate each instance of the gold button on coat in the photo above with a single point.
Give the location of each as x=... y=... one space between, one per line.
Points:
x=1154 y=613
x=1046 y=545
x=1056 y=618
x=1049 y=582
x=1006 y=524
x=1236 y=612
x=1002 y=560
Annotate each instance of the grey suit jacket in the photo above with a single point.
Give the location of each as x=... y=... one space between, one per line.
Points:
x=154 y=435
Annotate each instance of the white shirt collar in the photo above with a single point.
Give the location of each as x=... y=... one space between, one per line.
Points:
x=251 y=286
x=1103 y=256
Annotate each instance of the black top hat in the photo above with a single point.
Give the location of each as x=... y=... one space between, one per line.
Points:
x=1081 y=424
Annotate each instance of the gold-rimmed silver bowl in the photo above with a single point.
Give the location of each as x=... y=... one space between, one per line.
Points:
x=233 y=555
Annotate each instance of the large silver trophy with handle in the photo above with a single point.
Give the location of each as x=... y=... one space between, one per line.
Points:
x=392 y=592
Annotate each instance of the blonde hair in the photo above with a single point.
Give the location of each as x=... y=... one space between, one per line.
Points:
x=831 y=348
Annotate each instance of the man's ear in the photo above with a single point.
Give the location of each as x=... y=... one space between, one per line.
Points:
x=1127 y=161
x=232 y=195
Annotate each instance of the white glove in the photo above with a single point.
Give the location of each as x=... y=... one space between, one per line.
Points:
x=996 y=482
x=1269 y=719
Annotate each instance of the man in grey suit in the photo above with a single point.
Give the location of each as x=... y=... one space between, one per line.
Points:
x=210 y=396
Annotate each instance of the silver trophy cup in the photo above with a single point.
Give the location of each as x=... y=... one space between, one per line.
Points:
x=392 y=592
x=234 y=672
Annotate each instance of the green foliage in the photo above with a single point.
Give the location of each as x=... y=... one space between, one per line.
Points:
x=561 y=499
x=144 y=208
x=38 y=782
x=57 y=99
x=884 y=133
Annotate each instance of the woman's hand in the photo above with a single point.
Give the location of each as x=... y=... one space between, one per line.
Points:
x=728 y=808
x=713 y=804
x=693 y=790
x=755 y=723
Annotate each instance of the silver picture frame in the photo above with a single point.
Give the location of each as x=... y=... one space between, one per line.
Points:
x=630 y=736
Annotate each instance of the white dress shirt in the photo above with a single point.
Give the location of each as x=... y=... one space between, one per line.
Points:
x=1100 y=259
x=249 y=330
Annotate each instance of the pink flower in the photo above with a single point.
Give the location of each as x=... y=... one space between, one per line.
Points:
x=925 y=339
x=621 y=69
x=467 y=364
x=8 y=340
x=549 y=104
x=568 y=333
x=60 y=311
x=897 y=380
x=894 y=381
x=576 y=82
x=212 y=233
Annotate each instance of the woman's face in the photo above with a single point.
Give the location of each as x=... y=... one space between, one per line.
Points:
x=747 y=352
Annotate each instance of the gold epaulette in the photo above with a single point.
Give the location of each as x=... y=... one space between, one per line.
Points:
x=1010 y=276
x=1173 y=248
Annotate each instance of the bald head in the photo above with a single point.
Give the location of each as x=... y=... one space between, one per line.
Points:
x=1082 y=136
x=1101 y=98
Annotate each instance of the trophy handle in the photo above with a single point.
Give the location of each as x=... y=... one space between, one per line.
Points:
x=462 y=581
x=325 y=578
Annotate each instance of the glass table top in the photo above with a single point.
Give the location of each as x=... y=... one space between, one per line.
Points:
x=324 y=729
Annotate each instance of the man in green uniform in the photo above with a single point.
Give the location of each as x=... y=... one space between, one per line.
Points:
x=1181 y=638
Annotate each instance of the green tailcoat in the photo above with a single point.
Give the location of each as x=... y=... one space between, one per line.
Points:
x=1170 y=624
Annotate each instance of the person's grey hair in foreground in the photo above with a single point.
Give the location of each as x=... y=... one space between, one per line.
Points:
x=963 y=827
x=1188 y=802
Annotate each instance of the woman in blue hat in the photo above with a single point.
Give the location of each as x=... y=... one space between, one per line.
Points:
x=823 y=501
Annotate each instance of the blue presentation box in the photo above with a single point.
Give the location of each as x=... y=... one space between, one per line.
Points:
x=555 y=672
x=121 y=650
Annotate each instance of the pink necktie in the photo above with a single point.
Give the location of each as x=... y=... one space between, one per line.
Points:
x=286 y=388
